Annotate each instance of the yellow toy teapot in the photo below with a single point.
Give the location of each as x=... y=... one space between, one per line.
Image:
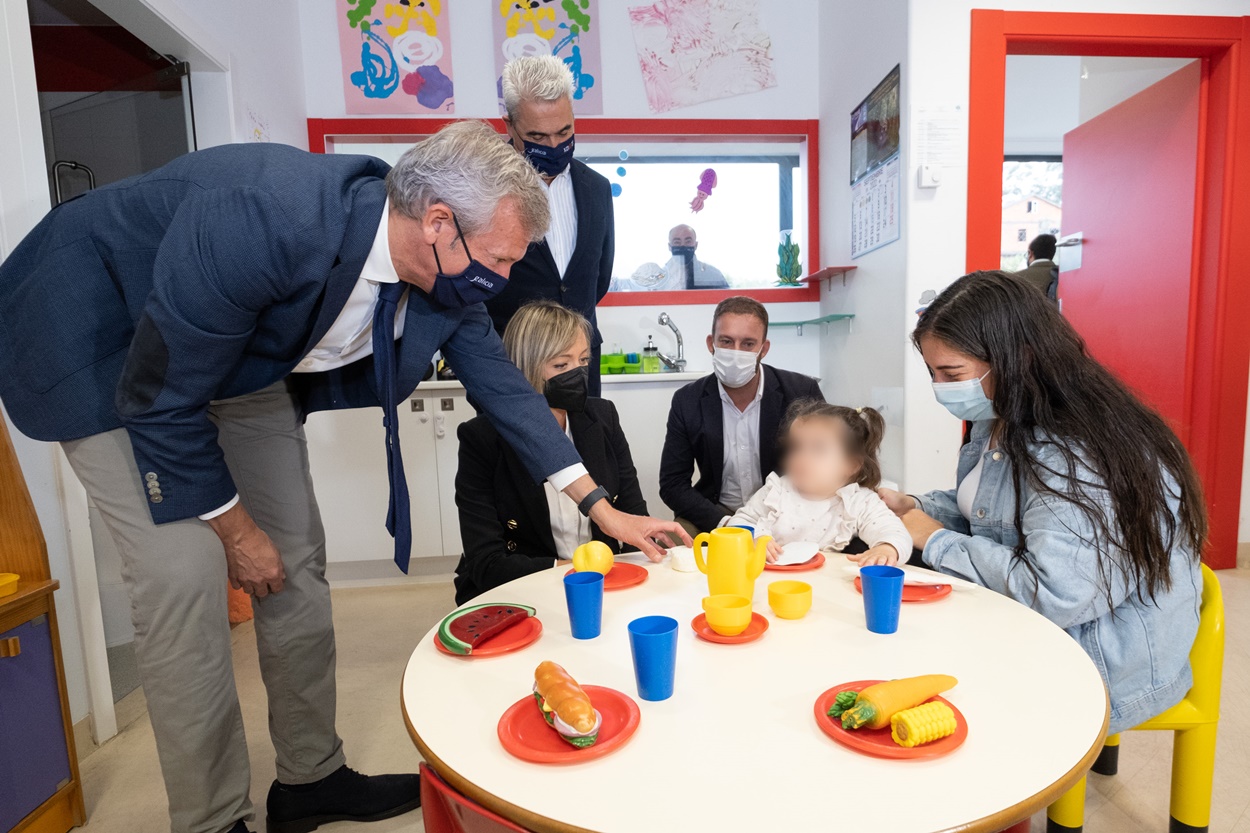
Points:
x=734 y=560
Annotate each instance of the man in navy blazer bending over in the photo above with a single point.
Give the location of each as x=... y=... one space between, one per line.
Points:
x=727 y=422
x=172 y=331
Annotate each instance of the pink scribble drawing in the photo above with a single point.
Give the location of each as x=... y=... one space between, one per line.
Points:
x=707 y=181
x=692 y=51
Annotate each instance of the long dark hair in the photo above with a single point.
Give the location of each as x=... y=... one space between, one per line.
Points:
x=863 y=430
x=1047 y=388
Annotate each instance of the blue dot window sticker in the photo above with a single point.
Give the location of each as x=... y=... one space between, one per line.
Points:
x=616 y=189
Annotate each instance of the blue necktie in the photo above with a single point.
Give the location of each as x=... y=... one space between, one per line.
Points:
x=385 y=369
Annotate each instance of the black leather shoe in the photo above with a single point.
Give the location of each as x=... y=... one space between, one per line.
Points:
x=343 y=795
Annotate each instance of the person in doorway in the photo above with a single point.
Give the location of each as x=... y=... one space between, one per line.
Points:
x=173 y=330
x=1041 y=272
x=512 y=526
x=1072 y=496
x=572 y=263
x=727 y=423
x=684 y=270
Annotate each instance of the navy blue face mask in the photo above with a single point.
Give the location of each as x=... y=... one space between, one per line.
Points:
x=549 y=161
x=474 y=285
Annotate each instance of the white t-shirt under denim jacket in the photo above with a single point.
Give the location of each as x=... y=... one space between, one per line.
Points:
x=780 y=511
x=1141 y=647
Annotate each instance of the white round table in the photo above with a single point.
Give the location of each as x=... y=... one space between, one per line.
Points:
x=737 y=747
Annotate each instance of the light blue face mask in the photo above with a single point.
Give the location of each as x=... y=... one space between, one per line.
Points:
x=966 y=400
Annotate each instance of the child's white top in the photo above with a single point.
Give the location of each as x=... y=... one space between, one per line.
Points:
x=780 y=511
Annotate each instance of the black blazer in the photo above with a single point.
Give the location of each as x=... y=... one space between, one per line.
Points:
x=505 y=524
x=588 y=275
x=696 y=435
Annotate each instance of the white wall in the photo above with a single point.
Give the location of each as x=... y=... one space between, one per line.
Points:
x=1043 y=102
x=862 y=362
x=794 y=45
x=1105 y=82
x=936 y=72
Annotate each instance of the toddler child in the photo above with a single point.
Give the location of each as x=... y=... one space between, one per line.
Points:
x=828 y=493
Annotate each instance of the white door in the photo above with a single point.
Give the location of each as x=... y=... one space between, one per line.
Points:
x=450 y=409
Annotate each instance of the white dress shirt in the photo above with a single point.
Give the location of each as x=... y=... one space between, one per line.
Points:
x=741 y=477
x=562 y=234
x=569 y=527
x=350 y=337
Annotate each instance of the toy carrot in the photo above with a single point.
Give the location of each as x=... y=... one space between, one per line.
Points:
x=878 y=703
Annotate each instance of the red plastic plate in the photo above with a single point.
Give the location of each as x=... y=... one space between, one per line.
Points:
x=525 y=734
x=753 y=632
x=513 y=639
x=622 y=576
x=877 y=742
x=815 y=562
x=917 y=592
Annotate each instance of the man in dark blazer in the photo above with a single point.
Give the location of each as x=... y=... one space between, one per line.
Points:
x=172 y=330
x=727 y=423
x=572 y=264
x=1042 y=273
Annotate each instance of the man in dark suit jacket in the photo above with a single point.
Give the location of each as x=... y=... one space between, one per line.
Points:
x=1041 y=272
x=172 y=330
x=753 y=397
x=572 y=264
x=505 y=520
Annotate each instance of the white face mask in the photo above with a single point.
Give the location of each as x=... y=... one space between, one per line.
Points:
x=734 y=368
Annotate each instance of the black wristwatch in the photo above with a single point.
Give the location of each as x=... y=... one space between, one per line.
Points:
x=591 y=499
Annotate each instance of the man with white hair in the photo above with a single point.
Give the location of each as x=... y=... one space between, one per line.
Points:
x=173 y=330
x=572 y=264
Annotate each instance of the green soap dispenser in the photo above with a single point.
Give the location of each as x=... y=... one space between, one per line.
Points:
x=650 y=357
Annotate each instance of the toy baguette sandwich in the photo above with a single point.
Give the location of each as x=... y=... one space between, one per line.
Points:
x=565 y=707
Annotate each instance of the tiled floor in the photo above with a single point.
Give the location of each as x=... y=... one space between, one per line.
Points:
x=378 y=626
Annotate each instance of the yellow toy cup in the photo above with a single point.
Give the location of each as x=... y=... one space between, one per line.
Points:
x=790 y=599
x=595 y=557
x=727 y=614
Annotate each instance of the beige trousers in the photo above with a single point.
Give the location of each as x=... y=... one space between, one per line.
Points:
x=176 y=577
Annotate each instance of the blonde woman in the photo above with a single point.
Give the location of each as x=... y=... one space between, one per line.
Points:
x=511 y=526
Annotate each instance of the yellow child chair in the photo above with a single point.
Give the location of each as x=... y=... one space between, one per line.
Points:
x=1194 y=720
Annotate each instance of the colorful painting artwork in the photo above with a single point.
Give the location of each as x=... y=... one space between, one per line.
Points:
x=396 y=56
x=568 y=29
x=693 y=51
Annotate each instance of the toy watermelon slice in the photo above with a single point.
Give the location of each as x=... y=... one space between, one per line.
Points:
x=463 y=630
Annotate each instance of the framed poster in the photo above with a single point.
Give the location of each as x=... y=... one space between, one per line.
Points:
x=875 y=127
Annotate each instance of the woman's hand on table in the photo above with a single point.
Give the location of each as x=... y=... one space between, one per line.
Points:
x=774 y=551
x=651 y=536
x=882 y=554
x=921 y=527
x=897 y=502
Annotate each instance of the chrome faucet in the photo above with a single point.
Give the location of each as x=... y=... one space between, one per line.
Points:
x=679 y=363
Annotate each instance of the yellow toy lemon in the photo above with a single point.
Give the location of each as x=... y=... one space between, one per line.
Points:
x=595 y=557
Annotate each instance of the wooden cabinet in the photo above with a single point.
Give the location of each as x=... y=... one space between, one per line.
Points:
x=40 y=790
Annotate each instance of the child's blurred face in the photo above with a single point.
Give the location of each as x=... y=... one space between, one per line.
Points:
x=816 y=458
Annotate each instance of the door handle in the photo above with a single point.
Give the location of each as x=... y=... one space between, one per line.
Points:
x=10 y=647
x=440 y=426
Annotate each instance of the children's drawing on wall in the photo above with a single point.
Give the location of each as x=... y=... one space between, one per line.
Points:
x=693 y=51
x=257 y=127
x=568 y=29
x=396 y=56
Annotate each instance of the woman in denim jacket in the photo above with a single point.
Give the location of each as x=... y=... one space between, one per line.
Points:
x=1072 y=496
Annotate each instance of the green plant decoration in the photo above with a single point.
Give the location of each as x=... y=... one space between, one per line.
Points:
x=789 y=270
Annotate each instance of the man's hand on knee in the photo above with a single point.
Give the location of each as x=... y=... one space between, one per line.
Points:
x=252 y=561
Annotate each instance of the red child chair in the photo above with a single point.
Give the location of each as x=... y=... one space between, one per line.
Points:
x=447 y=811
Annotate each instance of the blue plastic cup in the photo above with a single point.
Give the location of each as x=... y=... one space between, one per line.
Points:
x=883 y=597
x=749 y=529
x=653 y=642
x=584 y=594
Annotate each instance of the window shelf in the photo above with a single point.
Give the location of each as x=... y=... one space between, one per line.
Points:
x=824 y=319
x=828 y=274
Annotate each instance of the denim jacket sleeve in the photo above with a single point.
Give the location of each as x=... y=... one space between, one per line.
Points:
x=942 y=507
x=1069 y=588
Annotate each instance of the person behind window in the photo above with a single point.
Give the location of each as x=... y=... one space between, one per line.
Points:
x=727 y=422
x=511 y=526
x=572 y=264
x=684 y=270
x=1041 y=272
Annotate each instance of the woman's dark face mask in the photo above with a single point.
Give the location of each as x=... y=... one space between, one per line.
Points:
x=567 y=391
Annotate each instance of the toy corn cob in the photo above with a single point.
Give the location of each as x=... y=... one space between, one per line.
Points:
x=922 y=724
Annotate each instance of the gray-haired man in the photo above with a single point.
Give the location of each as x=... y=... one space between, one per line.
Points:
x=572 y=264
x=230 y=293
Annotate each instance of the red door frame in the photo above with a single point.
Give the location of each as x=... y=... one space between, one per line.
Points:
x=1218 y=358
x=710 y=130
